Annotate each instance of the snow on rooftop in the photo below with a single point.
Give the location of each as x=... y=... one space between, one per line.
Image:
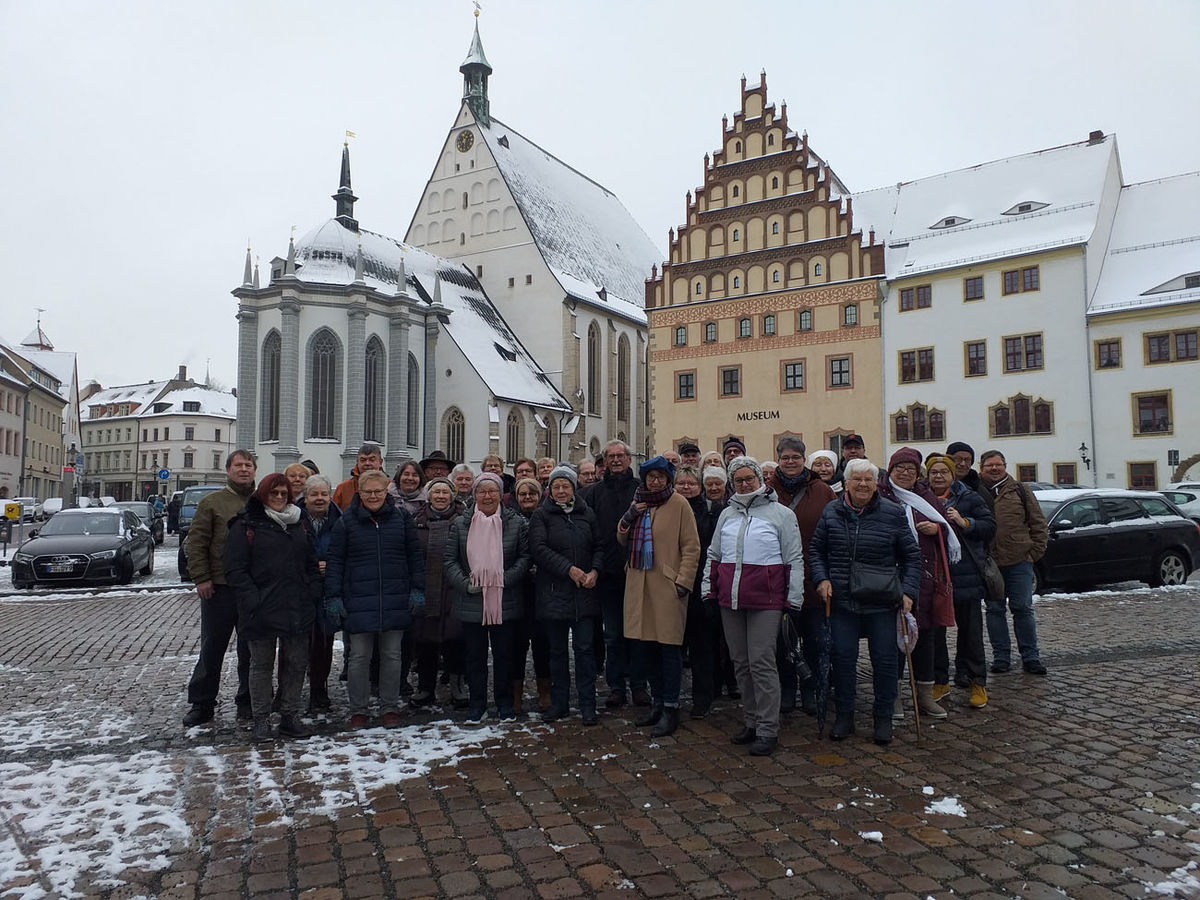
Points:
x=138 y=396
x=211 y=402
x=328 y=253
x=582 y=229
x=60 y=364
x=1155 y=243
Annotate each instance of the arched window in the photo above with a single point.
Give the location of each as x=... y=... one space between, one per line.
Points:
x=775 y=277
x=918 y=423
x=736 y=234
x=774 y=182
x=937 y=426
x=269 y=429
x=744 y=328
x=737 y=281
x=774 y=228
x=465 y=199
x=324 y=371
x=514 y=436
x=699 y=288
x=681 y=336
x=593 y=369
x=737 y=147
x=850 y=314
x=816 y=268
x=901 y=428
x=373 y=390
x=454 y=434
x=735 y=191
x=771 y=143
x=710 y=332
x=768 y=326
x=623 y=378
x=1001 y=421
x=412 y=426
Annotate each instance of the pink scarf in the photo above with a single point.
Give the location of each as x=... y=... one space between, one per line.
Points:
x=485 y=556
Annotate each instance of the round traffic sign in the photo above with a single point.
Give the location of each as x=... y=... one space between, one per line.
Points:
x=164 y=474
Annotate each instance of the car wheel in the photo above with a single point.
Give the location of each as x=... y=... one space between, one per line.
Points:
x=148 y=568
x=125 y=569
x=1170 y=568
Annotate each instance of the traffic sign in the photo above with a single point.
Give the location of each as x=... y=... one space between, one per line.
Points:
x=12 y=511
x=164 y=474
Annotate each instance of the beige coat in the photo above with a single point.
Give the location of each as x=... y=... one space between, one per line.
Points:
x=654 y=611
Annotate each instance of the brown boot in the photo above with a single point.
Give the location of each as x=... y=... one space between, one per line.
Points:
x=518 y=694
x=543 y=685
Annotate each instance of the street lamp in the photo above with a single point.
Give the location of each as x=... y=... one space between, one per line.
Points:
x=1083 y=451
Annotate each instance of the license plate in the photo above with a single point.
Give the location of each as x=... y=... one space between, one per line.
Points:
x=59 y=568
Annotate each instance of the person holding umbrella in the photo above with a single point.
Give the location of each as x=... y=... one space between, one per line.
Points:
x=866 y=564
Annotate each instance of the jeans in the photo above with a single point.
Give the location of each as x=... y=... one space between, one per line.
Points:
x=476 y=638
x=752 y=635
x=700 y=637
x=663 y=665
x=969 y=661
x=620 y=669
x=558 y=632
x=293 y=662
x=1018 y=585
x=880 y=630
x=358 y=682
x=218 y=621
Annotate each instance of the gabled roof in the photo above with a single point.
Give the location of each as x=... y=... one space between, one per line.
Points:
x=211 y=403
x=37 y=340
x=1155 y=242
x=585 y=234
x=328 y=253
x=1068 y=180
x=138 y=396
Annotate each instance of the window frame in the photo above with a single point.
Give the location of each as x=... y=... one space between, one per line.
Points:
x=967 y=345
x=1073 y=466
x=800 y=317
x=1099 y=343
x=1130 y=479
x=1024 y=345
x=1023 y=469
x=768 y=325
x=783 y=375
x=829 y=375
x=710 y=327
x=680 y=329
x=849 y=311
x=676 y=380
x=745 y=328
x=969 y=282
x=721 y=371
x=1135 y=399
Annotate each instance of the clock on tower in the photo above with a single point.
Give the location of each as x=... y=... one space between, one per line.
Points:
x=464 y=141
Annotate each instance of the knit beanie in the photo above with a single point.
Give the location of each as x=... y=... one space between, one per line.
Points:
x=745 y=462
x=823 y=454
x=733 y=442
x=486 y=477
x=715 y=472
x=563 y=472
x=939 y=458
x=657 y=462
x=905 y=455
x=958 y=447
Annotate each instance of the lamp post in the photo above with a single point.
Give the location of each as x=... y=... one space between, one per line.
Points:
x=1083 y=455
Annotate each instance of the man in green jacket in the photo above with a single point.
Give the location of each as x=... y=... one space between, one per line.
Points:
x=218 y=607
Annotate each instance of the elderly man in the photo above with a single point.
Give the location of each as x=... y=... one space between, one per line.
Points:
x=370 y=459
x=732 y=448
x=1020 y=542
x=587 y=472
x=689 y=454
x=319 y=514
x=672 y=457
x=437 y=465
x=218 y=606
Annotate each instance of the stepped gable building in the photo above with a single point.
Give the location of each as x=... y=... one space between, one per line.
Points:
x=563 y=262
x=764 y=320
x=357 y=336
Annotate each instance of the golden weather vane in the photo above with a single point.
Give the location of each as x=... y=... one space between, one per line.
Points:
x=478 y=8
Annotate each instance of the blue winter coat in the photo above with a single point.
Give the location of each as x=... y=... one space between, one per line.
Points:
x=883 y=537
x=324 y=537
x=965 y=574
x=375 y=560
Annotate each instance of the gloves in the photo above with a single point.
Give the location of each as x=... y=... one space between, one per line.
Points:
x=631 y=515
x=416 y=600
x=335 y=613
x=681 y=592
x=474 y=589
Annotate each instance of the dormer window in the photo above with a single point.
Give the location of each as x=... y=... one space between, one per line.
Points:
x=1191 y=281
x=950 y=222
x=1025 y=206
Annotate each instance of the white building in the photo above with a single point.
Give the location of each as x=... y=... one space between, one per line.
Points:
x=13 y=391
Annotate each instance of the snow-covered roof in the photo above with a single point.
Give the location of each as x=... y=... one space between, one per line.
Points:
x=586 y=235
x=210 y=403
x=475 y=55
x=1062 y=187
x=1155 y=243
x=37 y=340
x=138 y=396
x=59 y=363
x=328 y=253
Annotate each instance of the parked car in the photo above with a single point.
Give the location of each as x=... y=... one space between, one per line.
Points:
x=150 y=517
x=1102 y=536
x=31 y=508
x=50 y=506
x=1187 y=501
x=1183 y=486
x=84 y=546
x=191 y=497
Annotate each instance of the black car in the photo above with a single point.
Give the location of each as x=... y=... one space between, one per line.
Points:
x=1103 y=536
x=91 y=546
x=187 y=511
x=151 y=518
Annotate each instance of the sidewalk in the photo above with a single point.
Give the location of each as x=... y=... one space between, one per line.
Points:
x=1084 y=784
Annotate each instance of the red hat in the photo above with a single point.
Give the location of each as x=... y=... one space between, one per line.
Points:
x=905 y=455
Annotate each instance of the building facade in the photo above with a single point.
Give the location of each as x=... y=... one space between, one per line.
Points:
x=764 y=320
x=13 y=391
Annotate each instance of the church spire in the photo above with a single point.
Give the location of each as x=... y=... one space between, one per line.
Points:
x=248 y=275
x=345 y=197
x=475 y=70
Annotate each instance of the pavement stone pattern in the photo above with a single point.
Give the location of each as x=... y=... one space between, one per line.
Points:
x=1084 y=784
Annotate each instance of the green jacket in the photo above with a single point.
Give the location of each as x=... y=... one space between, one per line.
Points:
x=209 y=531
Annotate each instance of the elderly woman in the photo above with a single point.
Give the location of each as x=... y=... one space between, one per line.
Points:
x=318 y=515
x=663 y=555
x=824 y=464
x=565 y=540
x=716 y=495
x=528 y=631
x=712 y=459
x=860 y=541
x=934 y=602
x=374 y=582
x=755 y=571
x=545 y=465
x=408 y=486
x=296 y=475
x=487 y=558
x=272 y=568
x=436 y=632
x=462 y=479
x=975 y=524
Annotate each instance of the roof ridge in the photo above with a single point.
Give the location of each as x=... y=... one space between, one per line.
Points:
x=562 y=163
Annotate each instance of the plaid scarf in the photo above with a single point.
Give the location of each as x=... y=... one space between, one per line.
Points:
x=641 y=540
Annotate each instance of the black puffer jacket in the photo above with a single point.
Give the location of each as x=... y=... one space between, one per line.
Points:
x=965 y=574
x=468 y=607
x=273 y=573
x=609 y=499
x=559 y=540
x=706 y=513
x=883 y=539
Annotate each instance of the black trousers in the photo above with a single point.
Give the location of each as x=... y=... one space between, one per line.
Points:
x=969 y=660
x=218 y=622
x=702 y=636
x=922 y=655
x=429 y=653
x=476 y=638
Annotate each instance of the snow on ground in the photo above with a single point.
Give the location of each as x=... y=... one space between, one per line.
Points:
x=1123 y=589
x=875 y=837
x=947 y=806
x=1181 y=882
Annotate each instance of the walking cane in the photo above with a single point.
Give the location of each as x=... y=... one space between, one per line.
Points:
x=912 y=677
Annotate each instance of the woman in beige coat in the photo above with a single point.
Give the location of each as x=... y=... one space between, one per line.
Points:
x=659 y=530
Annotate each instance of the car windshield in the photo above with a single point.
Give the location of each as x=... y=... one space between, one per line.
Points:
x=85 y=524
x=192 y=496
x=1049 y=507
x=137 y=506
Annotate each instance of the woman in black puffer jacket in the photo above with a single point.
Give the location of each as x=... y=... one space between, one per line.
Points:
x=272 y=568
x=863 y=527
x=565 y=541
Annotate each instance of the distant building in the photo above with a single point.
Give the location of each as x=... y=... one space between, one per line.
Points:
x=765 y=318
x=14 y=389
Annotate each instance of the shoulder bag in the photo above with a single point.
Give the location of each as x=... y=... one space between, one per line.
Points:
x=872 y=584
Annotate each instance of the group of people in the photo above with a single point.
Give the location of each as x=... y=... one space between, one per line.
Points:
x=762 y=577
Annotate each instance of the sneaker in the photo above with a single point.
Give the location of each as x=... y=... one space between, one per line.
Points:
x=506 y=713
x=999 y=667
x=358 y=722
x=1034 y=667
x=940 y=691
x=554 y=714
x=978 y=696
x=391 y=720
x=290 y=726
x=475 y=717
x=198 y=715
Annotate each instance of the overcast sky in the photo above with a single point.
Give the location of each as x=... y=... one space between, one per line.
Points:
x=146 y=142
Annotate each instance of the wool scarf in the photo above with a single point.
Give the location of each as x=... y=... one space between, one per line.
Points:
x=485 y=557
x=289 y=515
x=913 y=501
x=641 y=538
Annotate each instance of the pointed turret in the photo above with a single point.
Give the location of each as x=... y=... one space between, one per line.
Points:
x=475 y=70
x=248 y=274
x=256 y=273
x=358 y=265
x=289 y=266
x=401 y=278
x=345 y=197
x=437 y=289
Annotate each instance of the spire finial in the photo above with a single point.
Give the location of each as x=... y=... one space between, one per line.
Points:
x=289 y=266
x=255 y=283
x=437 y=289
x=248 y=274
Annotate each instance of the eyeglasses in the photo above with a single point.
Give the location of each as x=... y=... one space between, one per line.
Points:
x=749 y=479
x=791 y=457
x=904 y=467
x=372 y=493
x=280 y=492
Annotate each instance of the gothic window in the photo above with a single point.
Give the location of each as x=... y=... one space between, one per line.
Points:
x=593 y=369
x=623 y=379
x=413 y=425
x=917 y=423
x=324 y=364
x=805 y=320
x=737 y=281
x=771 y=143
x=514 y=437
x=373 y=382
x=269 y=429
x=735 y=190
x=454 y=434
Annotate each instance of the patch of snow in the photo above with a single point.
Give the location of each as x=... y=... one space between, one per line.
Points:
x=947 y=806
x=1180 y=881
x=873 y=836
x=927 y=790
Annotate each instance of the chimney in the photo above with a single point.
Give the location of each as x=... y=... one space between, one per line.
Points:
x=1096 y=137
x=182 y=376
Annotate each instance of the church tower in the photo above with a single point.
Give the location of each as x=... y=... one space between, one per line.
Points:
x=475 y=70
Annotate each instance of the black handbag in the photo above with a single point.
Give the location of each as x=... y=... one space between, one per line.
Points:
x=872 y=584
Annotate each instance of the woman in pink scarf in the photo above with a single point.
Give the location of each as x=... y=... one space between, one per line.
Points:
x=487 y=556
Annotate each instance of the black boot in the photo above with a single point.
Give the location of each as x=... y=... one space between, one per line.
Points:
x=745 y=736
x=262 y=731
x=198 y=715
x=763 y=746
x=668 y=723
x=843 y=726
x=808 y=699
x=883 y=731
x=650 y=717
x=290 y=726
